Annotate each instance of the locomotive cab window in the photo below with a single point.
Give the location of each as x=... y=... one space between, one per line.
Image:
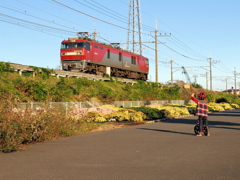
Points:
x=87 y=46
x=108 y=53
x=133 y=60
x=147 y=62
x=76 y=45
x=120 y=56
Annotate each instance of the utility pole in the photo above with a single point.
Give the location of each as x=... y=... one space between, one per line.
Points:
x=171 y=68
x=235 y=79
x=156 y=48
x=211 y=62
x=171 y=63
x=206 y=80
x=156 y=54
x=206 y=75
x=195 y=79
x=226 y=85
x=95 y=35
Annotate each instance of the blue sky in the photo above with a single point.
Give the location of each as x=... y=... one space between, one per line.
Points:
x=31 y=33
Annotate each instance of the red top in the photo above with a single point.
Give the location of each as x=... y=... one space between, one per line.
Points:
x=194 y=99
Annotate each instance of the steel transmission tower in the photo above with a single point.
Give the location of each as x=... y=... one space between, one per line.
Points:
x=134 y=39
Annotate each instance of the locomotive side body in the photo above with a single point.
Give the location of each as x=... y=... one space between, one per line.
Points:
x=92 y=57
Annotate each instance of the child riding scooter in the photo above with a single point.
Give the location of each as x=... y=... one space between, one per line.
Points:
x=202 y=113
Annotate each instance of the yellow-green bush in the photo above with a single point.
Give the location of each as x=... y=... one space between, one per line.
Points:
x=226 y=105
x=174 y=111
x=215 y=107
x=93 y=116
x=111 y=107
x=137 y=116
x=234 y=105
x=126 y=115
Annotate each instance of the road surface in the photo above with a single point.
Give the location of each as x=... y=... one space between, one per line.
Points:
x=166 y=150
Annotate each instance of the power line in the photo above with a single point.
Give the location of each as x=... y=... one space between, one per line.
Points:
x=37 y=23
x=35 y=17
x=28 y=27
x=181 y=54
x=186 y=47
x=145 y=27
x=88 y=15
x=102 y=12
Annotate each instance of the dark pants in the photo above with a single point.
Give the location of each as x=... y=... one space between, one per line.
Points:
x=202 y=121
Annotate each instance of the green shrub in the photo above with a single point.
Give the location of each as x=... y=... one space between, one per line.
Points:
x=196 y=85
x=234 y=105
x=93 y=116
x=210 y=97
x=151 y=113
x=220 y=100
x=4 y=67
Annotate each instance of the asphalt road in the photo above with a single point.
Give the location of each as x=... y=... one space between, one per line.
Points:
x=163 y=151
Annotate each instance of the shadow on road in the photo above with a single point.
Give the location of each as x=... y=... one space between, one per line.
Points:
x=193 y=120
x=227 y=115
x=225 y=124
x=166 y=131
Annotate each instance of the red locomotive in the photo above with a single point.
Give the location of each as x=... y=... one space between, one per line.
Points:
x=89 y=56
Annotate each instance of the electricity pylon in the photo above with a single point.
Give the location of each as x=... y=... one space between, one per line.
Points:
x=134 y=38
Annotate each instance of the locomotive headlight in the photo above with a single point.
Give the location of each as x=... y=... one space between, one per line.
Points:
x=79 y=52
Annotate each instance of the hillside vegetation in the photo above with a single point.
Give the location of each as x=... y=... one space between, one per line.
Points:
x=20 y=126
x=45 y=88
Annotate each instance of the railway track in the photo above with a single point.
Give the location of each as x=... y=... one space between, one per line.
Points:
x=60 y=73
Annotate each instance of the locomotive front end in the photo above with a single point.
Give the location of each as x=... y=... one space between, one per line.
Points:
x=74 y=54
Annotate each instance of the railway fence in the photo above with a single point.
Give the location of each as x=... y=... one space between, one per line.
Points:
x=69 y=106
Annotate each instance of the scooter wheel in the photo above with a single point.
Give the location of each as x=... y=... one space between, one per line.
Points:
x=205 y=130
x=196 y=129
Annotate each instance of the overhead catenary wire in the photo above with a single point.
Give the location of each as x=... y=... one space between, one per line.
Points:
x=91 y=7
x=52 y=22
x=36 y=23
x=182 y=47
x=182 y=54
x=186 y=47
x=66 y=20
x=29 y=27
x=88 y=15
x=51 y=14
x=64 y=5
x=114 y=13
